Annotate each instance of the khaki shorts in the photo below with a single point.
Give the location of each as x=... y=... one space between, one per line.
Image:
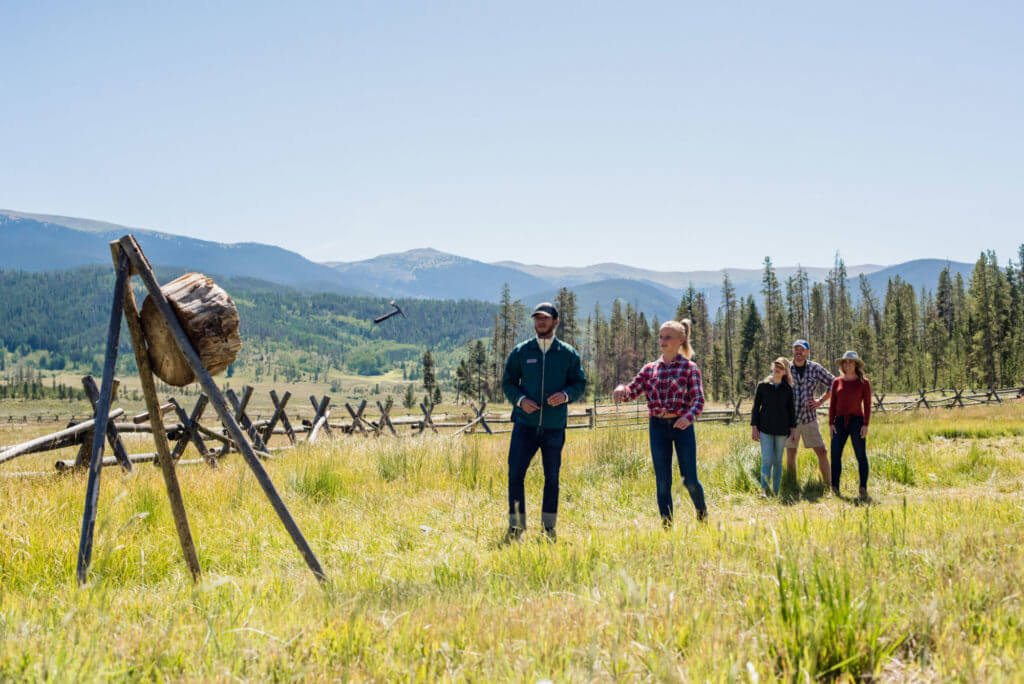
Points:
x=811 y=435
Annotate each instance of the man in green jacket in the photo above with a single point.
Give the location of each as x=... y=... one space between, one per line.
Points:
x=542 y=375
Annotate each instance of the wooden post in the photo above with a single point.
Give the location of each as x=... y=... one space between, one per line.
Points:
x=957 y=398
x=322 y=409
x=243 y=418
x=279 y=416
x=170 y=476
x=216 y=399
x=480 y=416
x=923 y=399
x=427 y=408
x=880 y=401
x=92 y=491
x=93 y=394
x=189 y=433
x=385 y=419
x=357 y=417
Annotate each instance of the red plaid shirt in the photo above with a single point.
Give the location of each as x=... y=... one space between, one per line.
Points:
x=670 y=388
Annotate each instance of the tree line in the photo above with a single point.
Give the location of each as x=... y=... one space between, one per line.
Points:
x=958 y=334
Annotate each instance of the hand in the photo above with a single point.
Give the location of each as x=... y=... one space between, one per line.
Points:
x=529 y=405
x=864 y=432
x=619 y=394
x=814 y=404
x=793 y=433
x=755 y=434
x=681 y=423
x=558 y=398
x=832 y=429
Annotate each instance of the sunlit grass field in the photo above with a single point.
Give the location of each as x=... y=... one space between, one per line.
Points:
x=924 y=582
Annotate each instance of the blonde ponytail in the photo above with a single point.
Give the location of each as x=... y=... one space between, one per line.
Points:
x=682 y=327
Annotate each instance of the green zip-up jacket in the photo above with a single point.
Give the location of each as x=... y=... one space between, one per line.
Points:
x=531 y=374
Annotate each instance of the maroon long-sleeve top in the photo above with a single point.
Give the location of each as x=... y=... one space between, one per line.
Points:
x=850 y=398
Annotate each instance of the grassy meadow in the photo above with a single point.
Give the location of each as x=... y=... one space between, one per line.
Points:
x=924 y=582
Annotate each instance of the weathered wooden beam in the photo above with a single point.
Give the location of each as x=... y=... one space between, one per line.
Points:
x=189 y=433
x=127 y=247
x=92 y=490
x=57 y=440
x=275 y=418
x=93 y=394
x=385 y=418
x=144 y=417
x=322 y=411
x=219 y=405
x=243 y=419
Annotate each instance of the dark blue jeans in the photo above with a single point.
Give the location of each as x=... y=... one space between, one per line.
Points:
x=663 y=437
x=522 y=447
x=849 y=427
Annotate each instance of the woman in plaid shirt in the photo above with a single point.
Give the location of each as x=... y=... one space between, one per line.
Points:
x=675 y=397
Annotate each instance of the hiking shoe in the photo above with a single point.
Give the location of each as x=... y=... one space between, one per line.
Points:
x=702 y=514
x=863 y=493
x=549 y=534
x=512 y=534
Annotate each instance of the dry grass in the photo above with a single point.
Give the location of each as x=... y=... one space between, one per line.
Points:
x=925 y=582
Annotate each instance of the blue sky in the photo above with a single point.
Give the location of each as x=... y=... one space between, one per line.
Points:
x=670 y=135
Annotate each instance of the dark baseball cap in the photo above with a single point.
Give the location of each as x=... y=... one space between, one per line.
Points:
x=545 y=309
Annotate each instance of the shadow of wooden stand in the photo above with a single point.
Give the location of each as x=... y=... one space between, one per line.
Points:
x=130 y=261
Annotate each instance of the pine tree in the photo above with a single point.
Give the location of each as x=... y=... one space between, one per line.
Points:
x=774 y=311
x=751 y=340
x=568 y=328
x=409 y=400
x=730 y=319
x=429 y=381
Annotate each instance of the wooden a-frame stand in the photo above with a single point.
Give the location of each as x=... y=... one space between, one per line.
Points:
x=129 y=260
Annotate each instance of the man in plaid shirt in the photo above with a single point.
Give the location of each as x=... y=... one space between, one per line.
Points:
x=807 y=375
x=675 y=397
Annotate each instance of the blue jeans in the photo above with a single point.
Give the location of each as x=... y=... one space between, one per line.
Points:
x=663 y=437
x=522 y=447
x=772 y=447
x=848 y=427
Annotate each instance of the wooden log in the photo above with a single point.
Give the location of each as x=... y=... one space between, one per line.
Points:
x=144 y=417
x=69 y=464
x=57 y=440
x=139 y=262
x=209 y=318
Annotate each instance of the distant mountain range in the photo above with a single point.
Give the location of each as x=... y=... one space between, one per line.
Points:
x=38 y=242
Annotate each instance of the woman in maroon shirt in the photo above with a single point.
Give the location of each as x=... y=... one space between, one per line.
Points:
x=849 y=412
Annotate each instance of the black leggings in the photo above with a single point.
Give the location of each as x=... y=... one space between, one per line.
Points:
x=849 y=427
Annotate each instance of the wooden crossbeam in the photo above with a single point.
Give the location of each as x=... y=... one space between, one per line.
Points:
x=957 y=398
x=321 y=418
x=480 y=416
x=427 y=408
x=92 y=393
x=279 y=416
x=190 y=432
x=385 y=419
x=923 y=399
x=242 y=417
x=880 y=401
x=357 y=417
